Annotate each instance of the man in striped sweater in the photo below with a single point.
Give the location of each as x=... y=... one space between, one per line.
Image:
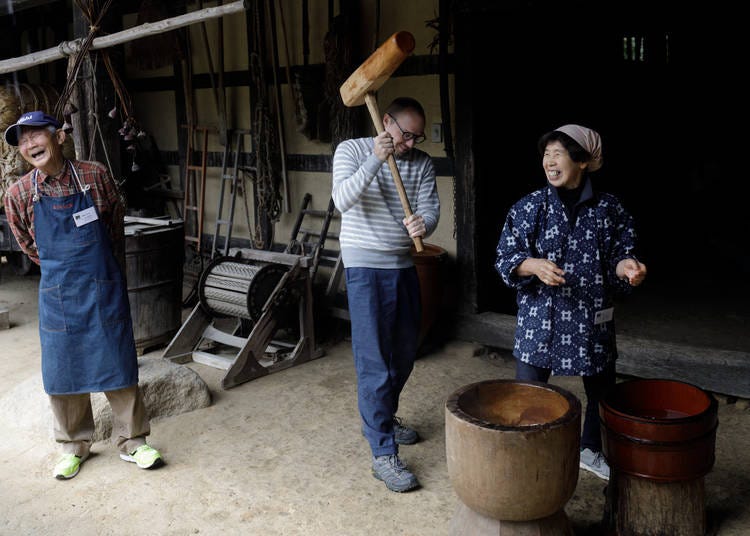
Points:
x=381 y=279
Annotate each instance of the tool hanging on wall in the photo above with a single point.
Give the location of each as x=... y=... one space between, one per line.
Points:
x=267 y=200
x=300 y=114
x=279 y=107
x=309 y=80
x=218 y=92
x=336 y=121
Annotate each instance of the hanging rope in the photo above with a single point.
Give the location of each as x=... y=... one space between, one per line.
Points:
x=88 y=10
x=267 y=176
x=130 y=129
x=339 y=53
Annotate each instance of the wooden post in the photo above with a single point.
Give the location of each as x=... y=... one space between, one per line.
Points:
x=638 y=506
x=89 y=101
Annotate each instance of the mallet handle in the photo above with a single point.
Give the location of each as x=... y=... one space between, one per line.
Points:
x=372 y=106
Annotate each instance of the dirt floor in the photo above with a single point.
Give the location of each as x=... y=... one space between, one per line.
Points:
x=281 y=455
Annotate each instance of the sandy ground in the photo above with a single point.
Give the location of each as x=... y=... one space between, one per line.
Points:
x=281 y=455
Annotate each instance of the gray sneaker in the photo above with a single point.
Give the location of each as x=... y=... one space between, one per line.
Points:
x=403 y=435
x=594 y=462
x=392 y=471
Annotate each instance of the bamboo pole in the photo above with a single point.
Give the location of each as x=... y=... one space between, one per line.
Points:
x=66 y=48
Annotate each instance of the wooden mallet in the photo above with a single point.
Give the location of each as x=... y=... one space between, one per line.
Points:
x=360 y=89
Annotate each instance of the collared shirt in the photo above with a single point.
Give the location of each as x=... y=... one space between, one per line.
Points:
x=19 y=203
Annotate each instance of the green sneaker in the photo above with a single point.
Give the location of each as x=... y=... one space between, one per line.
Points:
x=145 y=457
x=68 y=466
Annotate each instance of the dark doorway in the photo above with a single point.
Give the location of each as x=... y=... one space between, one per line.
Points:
x=659 y=83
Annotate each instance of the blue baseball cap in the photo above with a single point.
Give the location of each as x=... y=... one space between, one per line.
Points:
x=29 y=119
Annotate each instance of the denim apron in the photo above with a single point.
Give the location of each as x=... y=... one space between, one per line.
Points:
x=85 y=328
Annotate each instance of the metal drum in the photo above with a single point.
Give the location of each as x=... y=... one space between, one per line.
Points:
x=234 y=287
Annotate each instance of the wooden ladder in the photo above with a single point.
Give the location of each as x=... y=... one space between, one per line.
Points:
x=195 y=186
x=307 y=241
x=230 y=176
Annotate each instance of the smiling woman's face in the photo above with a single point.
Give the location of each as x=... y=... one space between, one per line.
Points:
x=42 y=148
x=560 y=169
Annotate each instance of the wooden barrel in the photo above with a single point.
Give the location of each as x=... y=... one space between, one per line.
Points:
x=153 y=261
x=659 y=438
x=512 y=448
x=659 y=429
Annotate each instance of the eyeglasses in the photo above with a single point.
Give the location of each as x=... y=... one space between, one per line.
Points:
x=408 y=136
x=32 y=136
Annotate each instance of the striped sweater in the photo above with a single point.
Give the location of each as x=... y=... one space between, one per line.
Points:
x=372 y=233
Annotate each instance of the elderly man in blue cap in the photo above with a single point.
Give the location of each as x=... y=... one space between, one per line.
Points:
x=68 y=217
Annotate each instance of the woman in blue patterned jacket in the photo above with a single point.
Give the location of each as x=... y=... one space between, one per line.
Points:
x=568 y=250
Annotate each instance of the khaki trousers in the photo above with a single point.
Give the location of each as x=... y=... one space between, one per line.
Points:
x=74 y=420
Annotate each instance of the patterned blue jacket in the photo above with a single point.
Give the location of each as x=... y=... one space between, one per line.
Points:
x=556 y=326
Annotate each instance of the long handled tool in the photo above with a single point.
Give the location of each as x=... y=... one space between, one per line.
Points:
x=360 y=89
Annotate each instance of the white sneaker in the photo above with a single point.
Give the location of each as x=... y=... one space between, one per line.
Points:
x=594 y=462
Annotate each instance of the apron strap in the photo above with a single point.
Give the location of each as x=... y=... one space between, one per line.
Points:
x=81 y=187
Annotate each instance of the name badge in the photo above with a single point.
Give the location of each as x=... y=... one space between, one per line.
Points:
x=605 y=315
x=85 y=216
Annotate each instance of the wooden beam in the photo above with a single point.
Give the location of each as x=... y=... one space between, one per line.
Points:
x=713 y=369
x=144 y=30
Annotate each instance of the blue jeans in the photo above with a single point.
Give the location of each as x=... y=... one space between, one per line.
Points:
x=385 y=312
x=596 y=388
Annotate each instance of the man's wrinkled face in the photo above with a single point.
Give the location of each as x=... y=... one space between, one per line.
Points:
x=41 y=147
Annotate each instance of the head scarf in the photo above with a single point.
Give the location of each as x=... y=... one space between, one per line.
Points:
x=589 y=140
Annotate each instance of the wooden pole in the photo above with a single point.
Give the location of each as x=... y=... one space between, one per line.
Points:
x=147 y=29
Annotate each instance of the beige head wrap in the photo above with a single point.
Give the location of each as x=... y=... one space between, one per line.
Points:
x=589 y=140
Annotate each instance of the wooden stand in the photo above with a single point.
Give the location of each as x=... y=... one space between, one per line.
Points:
x=247 y=359
x=467 y=522
x=638 y=506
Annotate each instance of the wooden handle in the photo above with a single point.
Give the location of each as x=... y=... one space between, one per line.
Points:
x=372 y=106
